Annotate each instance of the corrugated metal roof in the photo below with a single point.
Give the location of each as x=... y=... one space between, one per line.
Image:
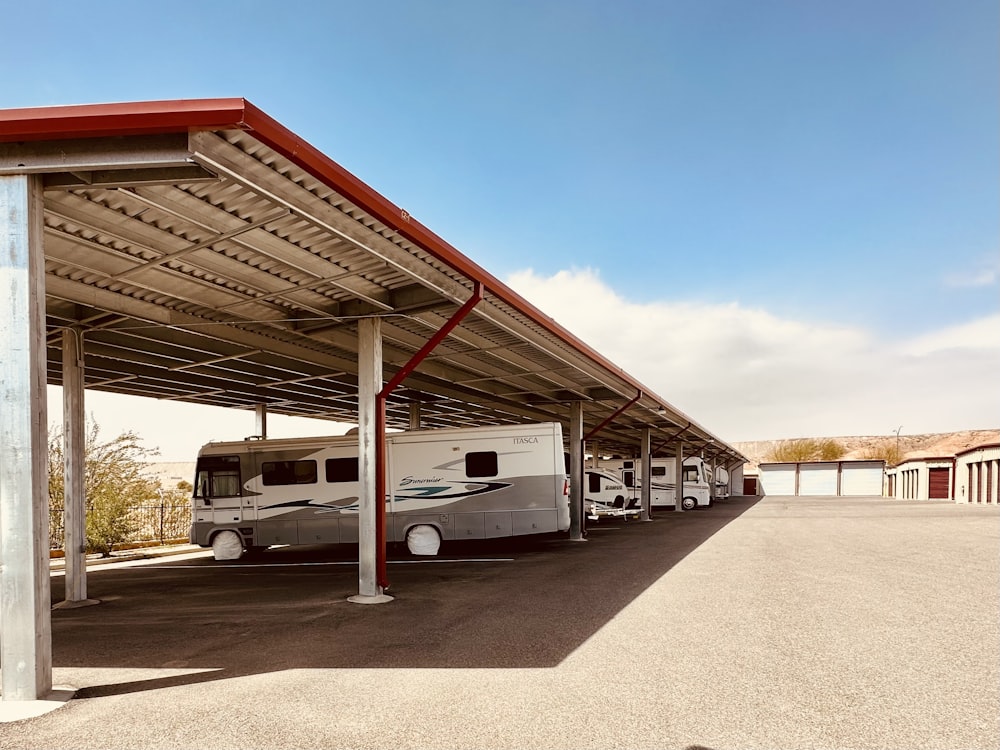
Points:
x=209 y=255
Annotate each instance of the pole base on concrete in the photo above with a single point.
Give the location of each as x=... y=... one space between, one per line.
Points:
x=67 y=604
x=20 y=710
x=369 y=599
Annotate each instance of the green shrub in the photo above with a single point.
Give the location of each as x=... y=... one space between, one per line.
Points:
x=806 y=449
x=114 y=484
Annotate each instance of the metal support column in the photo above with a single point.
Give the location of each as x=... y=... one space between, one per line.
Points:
x=415 y=415
x=25 y=617
x=679 y=474
x=646 y=457
x=260 y=426
x=577 y=531
x=74 y=468
x=369 y=384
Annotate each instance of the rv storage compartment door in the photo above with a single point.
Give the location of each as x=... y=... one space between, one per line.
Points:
x=534 y=521
x=277 y=532
x=349 y=529
x=469 y=525
x=319 y=531
x=498 y=524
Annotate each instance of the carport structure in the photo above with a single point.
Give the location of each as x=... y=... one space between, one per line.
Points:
x=199 y=251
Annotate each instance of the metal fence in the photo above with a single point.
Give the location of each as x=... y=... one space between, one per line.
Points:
x=150 y=523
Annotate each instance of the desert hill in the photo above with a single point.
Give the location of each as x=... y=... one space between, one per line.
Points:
x=938 y=444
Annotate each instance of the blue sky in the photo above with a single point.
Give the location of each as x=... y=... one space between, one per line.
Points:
x=827 y=168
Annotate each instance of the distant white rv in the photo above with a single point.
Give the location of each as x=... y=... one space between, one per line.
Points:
x=444 y=484
x=606 y=496
x=698 y=483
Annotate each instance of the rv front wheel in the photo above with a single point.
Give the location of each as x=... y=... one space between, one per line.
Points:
x=423 y=540
x=689 y=503
x=227 y=545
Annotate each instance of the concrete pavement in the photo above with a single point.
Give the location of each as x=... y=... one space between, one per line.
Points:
x=784 y=623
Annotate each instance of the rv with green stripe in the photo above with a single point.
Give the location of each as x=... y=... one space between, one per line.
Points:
x=443 y=485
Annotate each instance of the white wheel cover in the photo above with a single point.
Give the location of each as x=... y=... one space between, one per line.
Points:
x=226 y=545
x=423 y=540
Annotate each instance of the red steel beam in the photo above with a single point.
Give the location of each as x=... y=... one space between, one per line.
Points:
x=603 y=424
x=380 y=401
x=671 y=438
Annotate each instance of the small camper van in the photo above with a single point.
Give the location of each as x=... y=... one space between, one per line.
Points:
x=698 y=484
x=606 y=496
x=445 y=484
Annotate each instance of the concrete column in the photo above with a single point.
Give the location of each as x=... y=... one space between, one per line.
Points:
x=646 y=457
x=74 y=467
x=415 y=416
x=260 y=426
x=679 y=473
x=25 y=617
x=711 y=485
x=369 y=385
x=576 y=451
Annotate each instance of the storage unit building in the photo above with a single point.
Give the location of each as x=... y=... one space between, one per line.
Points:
x=925 y=478
x=977 y=475
x=862 y=478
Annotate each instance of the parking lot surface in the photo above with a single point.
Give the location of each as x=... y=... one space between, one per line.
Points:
x=773 y=623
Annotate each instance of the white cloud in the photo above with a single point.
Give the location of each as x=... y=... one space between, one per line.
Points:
x=986 y=273
x=982 y=334
x=748 y=374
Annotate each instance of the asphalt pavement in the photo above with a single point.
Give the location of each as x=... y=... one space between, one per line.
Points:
x=774 y=623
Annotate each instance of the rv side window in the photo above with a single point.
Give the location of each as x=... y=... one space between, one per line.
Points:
x=658 y=471
x=628 y=477
x=481 y=464
x=690 y=473
x=288 y=472
x=342 y=469
x=628 y=464
x=595 y=482
x=217 y=476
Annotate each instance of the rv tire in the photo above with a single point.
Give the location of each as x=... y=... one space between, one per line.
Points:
x=423 y=540
x=227 y=545
x=689 y=503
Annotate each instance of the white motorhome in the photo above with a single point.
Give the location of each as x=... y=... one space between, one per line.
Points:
x=698 y=484
x=445 y=484
x=606 y=496
x=721 y=483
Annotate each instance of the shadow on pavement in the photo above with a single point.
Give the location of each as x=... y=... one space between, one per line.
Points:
x=525 y=602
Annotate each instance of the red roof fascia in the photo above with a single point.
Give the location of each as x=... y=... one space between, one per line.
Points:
x=127 y=118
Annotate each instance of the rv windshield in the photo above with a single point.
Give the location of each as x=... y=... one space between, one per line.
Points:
x=217 y=476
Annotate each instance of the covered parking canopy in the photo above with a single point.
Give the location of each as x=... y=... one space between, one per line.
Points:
x=200 y=251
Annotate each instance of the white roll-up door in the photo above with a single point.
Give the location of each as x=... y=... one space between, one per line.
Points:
x=818 y=479
x=861 y=479
x=777 y=479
